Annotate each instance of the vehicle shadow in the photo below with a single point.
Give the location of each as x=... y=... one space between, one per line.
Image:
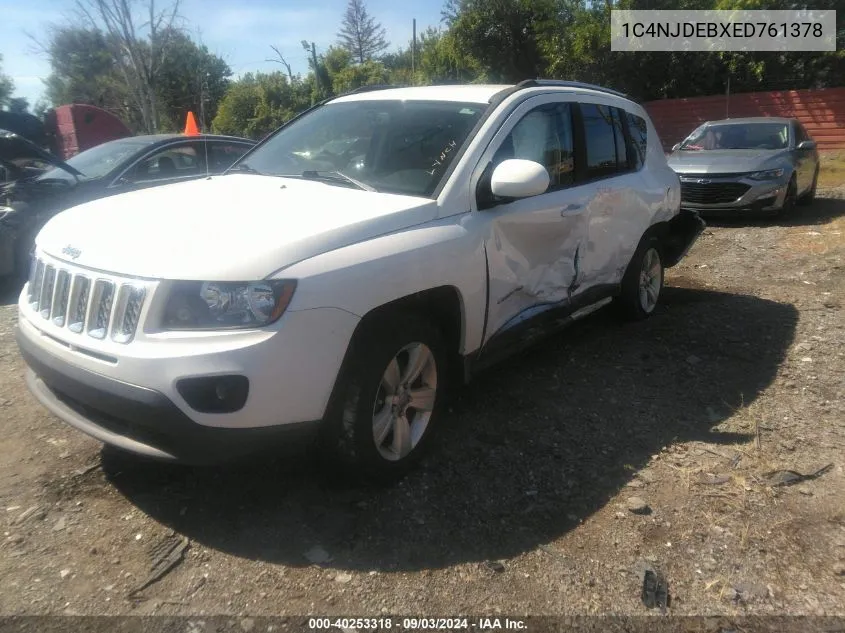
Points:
x=10 y=289
x=822 y=211
x=525 y=453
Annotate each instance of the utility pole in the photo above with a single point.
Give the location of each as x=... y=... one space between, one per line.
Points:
x=313 y=50
x=414 y=54
x=203 y=100
x=728 y=98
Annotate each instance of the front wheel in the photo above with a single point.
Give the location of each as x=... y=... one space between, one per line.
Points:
x=809 y=196
x=643 y=282
x=389 y=396
x=790 y=199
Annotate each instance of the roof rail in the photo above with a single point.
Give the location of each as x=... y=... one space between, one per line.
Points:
x=372 y=88
x=561 y=83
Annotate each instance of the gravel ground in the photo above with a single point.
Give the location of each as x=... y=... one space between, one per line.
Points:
x=559 y=477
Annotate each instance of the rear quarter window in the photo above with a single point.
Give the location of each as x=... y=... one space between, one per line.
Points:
x=638 y=135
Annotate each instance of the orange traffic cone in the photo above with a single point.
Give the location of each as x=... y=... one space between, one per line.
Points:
x=191 y=128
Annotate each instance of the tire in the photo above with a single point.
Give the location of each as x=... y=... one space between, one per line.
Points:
x=643 y=282
x=367 y=401
x=789 y=200
x=809 y=196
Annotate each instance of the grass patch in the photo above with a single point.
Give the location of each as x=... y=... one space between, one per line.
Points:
x=832 y=169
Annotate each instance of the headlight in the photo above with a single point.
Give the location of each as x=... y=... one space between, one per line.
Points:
x=209 y=305
x=4 y=211
x=769 y=174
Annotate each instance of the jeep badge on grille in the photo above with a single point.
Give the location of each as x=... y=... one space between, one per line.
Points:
x=71 y=251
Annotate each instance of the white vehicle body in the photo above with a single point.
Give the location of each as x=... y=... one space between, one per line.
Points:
x=478 y=275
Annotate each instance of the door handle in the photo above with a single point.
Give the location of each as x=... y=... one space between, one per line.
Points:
x=575 y=206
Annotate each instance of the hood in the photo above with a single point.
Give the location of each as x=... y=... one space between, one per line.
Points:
x=14 y=147
x=237 y=227
x=725 y=161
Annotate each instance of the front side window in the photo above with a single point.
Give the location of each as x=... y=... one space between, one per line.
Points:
x=171 y=162
x=544 y=136
x=388 y=145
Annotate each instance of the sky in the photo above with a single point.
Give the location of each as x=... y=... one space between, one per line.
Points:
x=239 y=31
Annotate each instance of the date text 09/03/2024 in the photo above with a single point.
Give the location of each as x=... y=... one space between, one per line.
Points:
x=417 y=624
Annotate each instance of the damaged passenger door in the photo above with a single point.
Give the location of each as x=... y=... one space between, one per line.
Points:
x=533 y=244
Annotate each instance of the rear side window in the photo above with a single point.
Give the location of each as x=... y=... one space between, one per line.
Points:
x=600 y=139
x=638 y=134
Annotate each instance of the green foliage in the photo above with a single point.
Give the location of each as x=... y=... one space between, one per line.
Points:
x=190 y=72
x=18 y=105
x=84 y=71
x=506 y=36
x=257 y=104
x=6 y=86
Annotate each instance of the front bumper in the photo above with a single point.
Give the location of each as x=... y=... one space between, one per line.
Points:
x=128 y=395
x=731 y=194
x=138 y=419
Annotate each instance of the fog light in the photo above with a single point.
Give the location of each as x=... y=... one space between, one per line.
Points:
x=215 y=394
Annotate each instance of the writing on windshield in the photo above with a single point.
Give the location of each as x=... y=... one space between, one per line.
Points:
x=386 y=145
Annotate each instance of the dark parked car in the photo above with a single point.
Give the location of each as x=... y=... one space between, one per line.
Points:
x=763 y=164
x=27 y=202
x=21 y=158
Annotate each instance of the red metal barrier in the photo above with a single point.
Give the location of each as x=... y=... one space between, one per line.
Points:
x=821 y=111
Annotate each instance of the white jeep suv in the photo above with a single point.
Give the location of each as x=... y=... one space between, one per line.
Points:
x=371 y=253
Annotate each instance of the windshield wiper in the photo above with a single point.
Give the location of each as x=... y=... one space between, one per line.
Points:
x=336 y=176
x=245 y=168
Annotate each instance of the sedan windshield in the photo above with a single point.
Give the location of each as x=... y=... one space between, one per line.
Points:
x=100 y=160
x=381 y=145
x=738 y=136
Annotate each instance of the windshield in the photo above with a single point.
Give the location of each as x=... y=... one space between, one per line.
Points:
x=98 y=161
x=390 y=146
x=738 y=136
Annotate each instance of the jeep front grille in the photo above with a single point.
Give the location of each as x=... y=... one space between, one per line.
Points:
x=84 y=302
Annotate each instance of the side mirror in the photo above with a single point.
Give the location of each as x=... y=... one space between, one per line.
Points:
x=517 y=178
x=807 y=145
x=676 y=147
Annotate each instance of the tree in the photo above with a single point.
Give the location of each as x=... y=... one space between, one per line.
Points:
x=505 y=36
x=190 y=79
x=280 y=59
x=6 y=86
x=360 y=34
x=83 y=71
x=18 y=105
x=257 y=104
x=140 y=45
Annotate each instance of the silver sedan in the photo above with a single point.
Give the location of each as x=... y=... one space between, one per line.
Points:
x=761 y=164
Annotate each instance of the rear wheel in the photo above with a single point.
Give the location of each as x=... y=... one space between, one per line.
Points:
x=643 y=281
x=389 y=397
x=809 y=196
